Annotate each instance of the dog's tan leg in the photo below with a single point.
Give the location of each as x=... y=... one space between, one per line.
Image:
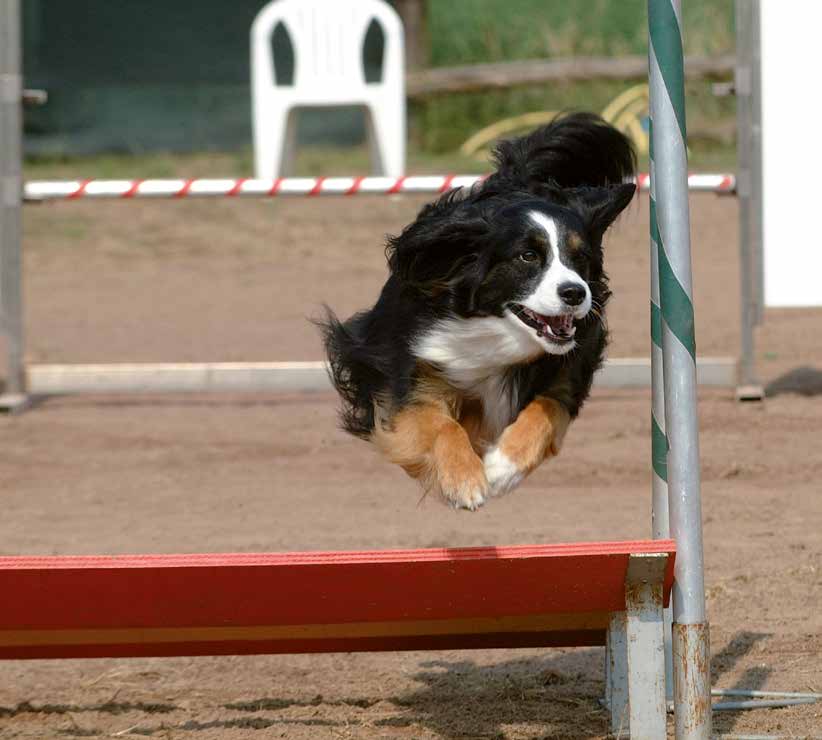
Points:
x=433 y=447
x=537 y=433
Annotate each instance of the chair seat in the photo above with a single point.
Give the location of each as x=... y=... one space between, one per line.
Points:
x=365 y=96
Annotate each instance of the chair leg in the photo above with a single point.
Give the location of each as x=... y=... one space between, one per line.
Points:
x=274 y=142
x=377 y=164
x=385 y=128
x=289 y=150
x=645 y=646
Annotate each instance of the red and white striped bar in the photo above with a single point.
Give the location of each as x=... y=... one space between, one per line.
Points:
x=41 y=190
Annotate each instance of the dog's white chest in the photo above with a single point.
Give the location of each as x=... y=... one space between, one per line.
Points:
x=474 y=355
x=471 y=350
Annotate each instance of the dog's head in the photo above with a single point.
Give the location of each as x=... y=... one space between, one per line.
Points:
x=535 y=263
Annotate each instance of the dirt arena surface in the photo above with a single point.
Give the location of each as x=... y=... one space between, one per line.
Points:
x=235 y=280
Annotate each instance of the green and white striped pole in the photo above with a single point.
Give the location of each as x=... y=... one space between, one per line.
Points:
x=691 y=653
x=661 y=529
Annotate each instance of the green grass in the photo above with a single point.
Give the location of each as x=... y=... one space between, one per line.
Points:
x=311 y=161
x=475 y=31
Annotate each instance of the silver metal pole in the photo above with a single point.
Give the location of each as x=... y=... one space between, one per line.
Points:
x=749 y=190
x=692 y=703
x=757 y=172
x=11 y=303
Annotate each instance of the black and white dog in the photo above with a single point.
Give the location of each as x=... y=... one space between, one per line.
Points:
x=484 y=341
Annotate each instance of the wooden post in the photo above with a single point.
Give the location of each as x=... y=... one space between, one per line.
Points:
x=414 y=17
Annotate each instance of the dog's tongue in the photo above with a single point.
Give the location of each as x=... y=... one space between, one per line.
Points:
x=561 y=325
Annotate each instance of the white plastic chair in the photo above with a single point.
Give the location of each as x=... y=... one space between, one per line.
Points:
x=327 y=38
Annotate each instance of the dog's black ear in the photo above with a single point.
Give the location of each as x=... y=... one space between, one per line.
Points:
x=437 y=249
x=599 y=207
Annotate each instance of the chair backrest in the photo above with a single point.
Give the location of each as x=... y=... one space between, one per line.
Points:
x=327 y=38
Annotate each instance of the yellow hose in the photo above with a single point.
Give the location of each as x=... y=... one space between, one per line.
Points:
x=625 y=112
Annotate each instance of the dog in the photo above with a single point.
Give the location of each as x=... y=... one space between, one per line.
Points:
x=482 y=346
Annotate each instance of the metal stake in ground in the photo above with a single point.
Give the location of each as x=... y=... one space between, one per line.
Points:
x=692 y=702
x=11 y=304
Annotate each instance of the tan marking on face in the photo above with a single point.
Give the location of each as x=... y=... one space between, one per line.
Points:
x=573 y=240
x=537 y=433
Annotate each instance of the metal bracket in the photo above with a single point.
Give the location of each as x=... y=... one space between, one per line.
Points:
x=635 y=653
x=644 y=628
x=14 y=403
x=10 y=88
x=34 y=97
x=743 y=80
x=646 y=568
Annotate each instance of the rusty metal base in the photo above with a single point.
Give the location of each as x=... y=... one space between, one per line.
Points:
x=692 y=681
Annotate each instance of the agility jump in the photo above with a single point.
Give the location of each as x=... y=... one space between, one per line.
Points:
x=43 y=190
x=577 y=594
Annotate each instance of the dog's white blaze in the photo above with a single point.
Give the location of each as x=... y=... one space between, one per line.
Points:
x=502 y=473
x=545 y=299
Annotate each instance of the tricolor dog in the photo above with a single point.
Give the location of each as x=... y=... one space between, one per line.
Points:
x=483 y=344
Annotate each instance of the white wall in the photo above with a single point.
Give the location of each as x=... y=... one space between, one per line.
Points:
x=792 y=151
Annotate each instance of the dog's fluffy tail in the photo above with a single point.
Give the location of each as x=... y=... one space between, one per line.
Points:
x=574 y=150
x=354 y=369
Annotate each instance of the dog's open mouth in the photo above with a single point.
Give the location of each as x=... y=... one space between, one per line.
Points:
x=558 y=329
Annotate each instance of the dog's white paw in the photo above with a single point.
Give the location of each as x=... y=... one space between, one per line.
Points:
x=502 y=473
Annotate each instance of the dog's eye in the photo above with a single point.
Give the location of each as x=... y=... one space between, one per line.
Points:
x=529 y=256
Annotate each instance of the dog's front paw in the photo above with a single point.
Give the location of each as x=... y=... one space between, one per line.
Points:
x=502 y=473
x=468 y=495
x=462 y=482
x=456 y=471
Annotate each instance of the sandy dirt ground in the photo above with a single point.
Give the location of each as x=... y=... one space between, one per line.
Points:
x=235 y=280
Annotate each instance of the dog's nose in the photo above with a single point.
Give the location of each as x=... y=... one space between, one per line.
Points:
x=572 y=293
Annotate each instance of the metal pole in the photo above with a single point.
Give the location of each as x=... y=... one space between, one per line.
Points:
x=11 y=304
x=757 y=173
x=749 y=190
x=692 y=702
x=659 y=442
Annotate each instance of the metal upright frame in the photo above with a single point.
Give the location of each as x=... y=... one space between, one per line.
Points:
x=11 y=187
x=747 y=84
x=670 y=231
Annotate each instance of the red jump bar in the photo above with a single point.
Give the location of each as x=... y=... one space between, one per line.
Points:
x=217 y=604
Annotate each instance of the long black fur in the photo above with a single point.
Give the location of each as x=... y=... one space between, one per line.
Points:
x=438 y=263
